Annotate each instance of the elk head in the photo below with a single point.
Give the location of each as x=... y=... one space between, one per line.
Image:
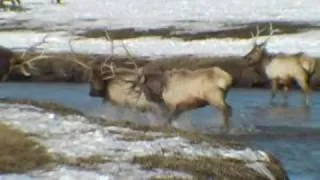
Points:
x=22 y=64
x=257 y=53
x=102 y=72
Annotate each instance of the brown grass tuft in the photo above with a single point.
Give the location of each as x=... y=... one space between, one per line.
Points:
x=193 y=137
x=89 y=162
x=201 y=167
x=19 y=153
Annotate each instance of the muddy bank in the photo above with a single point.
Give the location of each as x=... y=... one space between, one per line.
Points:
x=60 y=69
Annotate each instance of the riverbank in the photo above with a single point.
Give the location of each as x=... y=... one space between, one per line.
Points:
x=73 y=144
x=60 y=69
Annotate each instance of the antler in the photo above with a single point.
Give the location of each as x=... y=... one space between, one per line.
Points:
x=110 y=66
x=29 y=61
x=258 y=31
x=34 y=45
x=271 y=31
x=130 y=57
x=75 y=59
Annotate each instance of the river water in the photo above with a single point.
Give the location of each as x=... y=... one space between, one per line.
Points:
x=290 y=133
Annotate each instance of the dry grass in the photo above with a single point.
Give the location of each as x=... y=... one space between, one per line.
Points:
x=201 y=167
x=89 y=162
x=19 y=153
x=168 y=178
x=136 y=136
x=193 y=137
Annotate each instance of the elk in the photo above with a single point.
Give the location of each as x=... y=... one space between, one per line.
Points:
x=282 y=69
x=150 y=88
x=171 y=91
x=182 y=90
x=13 y=2
x=113 y=83
x=10 y=61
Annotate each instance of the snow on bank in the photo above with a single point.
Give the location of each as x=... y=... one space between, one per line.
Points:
x=74 y=136
x=308 y=42
x=147 y=14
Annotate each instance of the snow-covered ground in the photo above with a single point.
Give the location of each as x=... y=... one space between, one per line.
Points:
x=194 y=16
x=161 y=13
x=73 y=136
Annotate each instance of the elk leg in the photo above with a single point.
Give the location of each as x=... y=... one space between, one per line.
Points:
x=303 y=83
x=274 y=89
x=173 y=115
x=218 y=99
x=285 y=95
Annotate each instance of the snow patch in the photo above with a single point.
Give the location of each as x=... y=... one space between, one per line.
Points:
x=156 y=47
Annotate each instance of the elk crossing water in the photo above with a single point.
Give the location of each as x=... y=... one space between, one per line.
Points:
x=291 y=133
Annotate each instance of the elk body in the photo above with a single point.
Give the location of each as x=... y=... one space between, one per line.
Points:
x=283 y=69
x=185 y=90
x=182 y=90
x=149 y=87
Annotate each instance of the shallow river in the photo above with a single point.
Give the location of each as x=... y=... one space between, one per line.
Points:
x=291 y=133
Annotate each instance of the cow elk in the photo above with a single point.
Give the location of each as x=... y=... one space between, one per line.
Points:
x=10 y=61
x=282 y=69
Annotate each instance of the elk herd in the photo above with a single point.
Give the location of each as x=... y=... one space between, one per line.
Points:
x=171 y=91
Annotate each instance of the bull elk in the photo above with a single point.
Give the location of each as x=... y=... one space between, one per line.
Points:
x=282 y=69
x=171 y=91
x=10 y=61
x=113 y=83
x=149 y=88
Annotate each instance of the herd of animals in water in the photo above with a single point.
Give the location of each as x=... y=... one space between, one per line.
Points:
x=170 y=92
